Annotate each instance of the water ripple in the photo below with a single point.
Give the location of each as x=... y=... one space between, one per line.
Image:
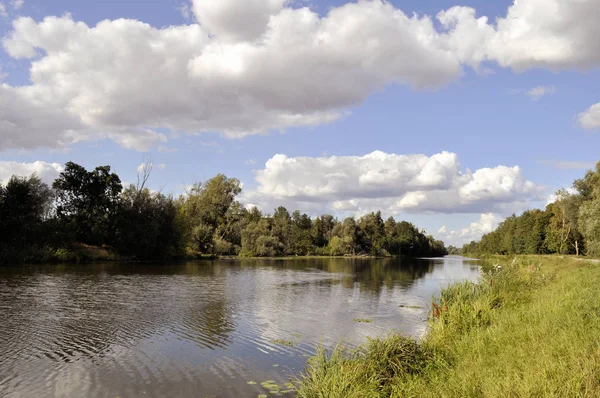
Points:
x=203 y=328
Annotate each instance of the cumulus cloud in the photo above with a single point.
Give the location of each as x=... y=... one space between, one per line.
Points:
x=17 y=4
x=389 y=182
x=551 y=34
x=47 y=172
x=487 y=223
x=3 y=10
x=233 y=20
x=538 y=92
x=590 y=119
x=93 y=77
x=256 y=66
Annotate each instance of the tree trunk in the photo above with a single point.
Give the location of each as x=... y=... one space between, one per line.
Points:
x=577 y=248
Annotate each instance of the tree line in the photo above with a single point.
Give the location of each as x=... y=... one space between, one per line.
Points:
x=92 y=208
x=569 y=225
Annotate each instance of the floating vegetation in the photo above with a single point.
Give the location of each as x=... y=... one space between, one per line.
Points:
x=252 y=383
x=275 y=365
x=362 y=320
x=286 y=343
x=288 y=391
x=289 y=385
x=414 y=307
x=263 y=396
x=297 y=335
x=270 y=385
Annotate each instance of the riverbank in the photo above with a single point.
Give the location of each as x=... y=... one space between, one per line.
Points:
x=529 y=328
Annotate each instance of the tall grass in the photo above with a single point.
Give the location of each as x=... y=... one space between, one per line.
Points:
x=529 y=328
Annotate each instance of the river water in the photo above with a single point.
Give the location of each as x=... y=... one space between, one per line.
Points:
x=200 y=329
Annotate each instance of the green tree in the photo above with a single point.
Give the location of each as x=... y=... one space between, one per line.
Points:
x=589 y=215
x=148 y=225
x=257 y=240
x=87 y=202
x=25 y=206
x=207 y=207
x=282 y=229
x=371 y=234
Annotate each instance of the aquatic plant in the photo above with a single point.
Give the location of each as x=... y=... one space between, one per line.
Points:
x=286 y=343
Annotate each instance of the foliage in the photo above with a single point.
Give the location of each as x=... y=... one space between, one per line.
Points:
x=25 y=206
x=91 y=209
x=148 y=226
x=87 y=203
x=590 y=226
x=570 y=225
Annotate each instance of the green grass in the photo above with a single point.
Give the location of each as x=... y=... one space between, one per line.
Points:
x=528 y=329
x=362 y=320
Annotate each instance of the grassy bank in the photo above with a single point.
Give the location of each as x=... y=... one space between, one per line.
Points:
x=529 y=328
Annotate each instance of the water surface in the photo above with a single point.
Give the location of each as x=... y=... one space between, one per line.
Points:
x=200 y=329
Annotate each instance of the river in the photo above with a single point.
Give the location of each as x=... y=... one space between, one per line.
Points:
x=200 y=329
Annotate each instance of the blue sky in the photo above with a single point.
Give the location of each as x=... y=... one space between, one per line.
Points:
x=236 y=94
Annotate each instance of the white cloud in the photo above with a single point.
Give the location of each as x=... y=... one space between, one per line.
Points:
x=234 y=20
x=538 y=92
x=256 y=66
x=3 y=10
x=250 y=162
x=47 y=172
x=590 y=119
x=569 y=165
x=487 y=223
x=92 y=77
x=389 y=182
x=17 y=4
x=551 y=34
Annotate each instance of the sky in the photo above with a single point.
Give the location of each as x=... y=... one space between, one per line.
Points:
x=450 y=114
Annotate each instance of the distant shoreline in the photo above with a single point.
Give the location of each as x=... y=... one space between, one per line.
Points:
x=86 y=255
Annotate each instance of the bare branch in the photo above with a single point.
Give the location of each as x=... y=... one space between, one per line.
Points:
x=144 y=172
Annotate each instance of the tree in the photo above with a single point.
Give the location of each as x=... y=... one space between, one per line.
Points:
x=282 y=229
x=301 y=234
x=207 y=207
x=87 y=202
x=148 y=225
x=563 y=226
x=371 y=234
x=589 y=215
x=257 y=240
x=25 y=205
x=348 y=235
x=589 y=186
